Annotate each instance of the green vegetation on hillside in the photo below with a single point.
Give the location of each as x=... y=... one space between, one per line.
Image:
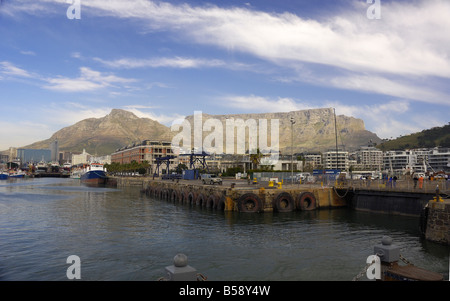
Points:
x=437 y=136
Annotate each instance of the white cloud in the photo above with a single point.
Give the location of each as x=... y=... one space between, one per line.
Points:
x=60 y=115
x=7 y=68
x=28 y=52
x=171 y=62
x=176 y=62
x=349 y=41
x=404 y=43
x=406 y=50
x=19 y=133
x=255 y=104
x=87 y=81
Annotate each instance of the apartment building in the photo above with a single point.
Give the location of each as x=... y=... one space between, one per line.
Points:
x=369 y=157
x=335 y=160
x=147 y=150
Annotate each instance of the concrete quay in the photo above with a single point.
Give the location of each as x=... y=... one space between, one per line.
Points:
x=239 y=195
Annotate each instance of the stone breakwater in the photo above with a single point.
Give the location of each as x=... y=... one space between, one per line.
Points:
x=438 y=222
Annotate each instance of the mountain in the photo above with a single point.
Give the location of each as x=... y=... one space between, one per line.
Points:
x=102 y=136
x=437 y=136
x=314 y=130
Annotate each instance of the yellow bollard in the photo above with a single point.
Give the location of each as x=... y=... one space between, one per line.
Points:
x=270 y=183
x=280 y=185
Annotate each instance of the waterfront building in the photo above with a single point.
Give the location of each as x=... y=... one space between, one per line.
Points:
x=417 y=160
x=3 y=158
x=335 y=160
x=439 y=159
x=313 y=160
x=12 y=153
x=147 y=150
x=369 y=157
x=398 y=160
x=284 y=163
x=54 y=148
x=80 y=159
x=33 y=155
x=100 y=159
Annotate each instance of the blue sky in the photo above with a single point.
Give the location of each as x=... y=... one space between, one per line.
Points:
x=165 y=60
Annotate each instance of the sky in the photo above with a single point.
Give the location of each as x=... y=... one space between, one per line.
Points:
x=385 y=62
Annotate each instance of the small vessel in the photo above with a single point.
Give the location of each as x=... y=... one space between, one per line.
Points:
x=386 y=267
x=17 y=174
x=76 y=173
x=4 y=175
x=94 y=174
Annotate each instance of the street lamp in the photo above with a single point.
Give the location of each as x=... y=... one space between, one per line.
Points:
x=292 y=149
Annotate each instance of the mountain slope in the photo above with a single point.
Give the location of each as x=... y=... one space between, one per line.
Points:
x=437 y=136
x=314 y=130
x=101 y=136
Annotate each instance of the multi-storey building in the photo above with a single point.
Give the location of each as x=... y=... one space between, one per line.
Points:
x=370 y=157
x=79 y=159
x=397 y=160
x=335 y=160
x=417 y=160
x=33 y=155
x=147 y=150
x=439 y=159
x=313 y=160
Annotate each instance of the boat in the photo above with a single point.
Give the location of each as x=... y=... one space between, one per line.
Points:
x=17 y=174
x=4 y=175
x=94 y=174
x=76 y=173
x=386 y=267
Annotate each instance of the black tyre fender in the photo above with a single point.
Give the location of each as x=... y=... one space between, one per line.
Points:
x=306 y=201
x=249 y=202
x=200 y=201
x=283 y=202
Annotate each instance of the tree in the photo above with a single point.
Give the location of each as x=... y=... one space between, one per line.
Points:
x=256 y=158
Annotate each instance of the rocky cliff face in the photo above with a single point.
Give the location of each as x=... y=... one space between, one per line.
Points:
x=314 y=130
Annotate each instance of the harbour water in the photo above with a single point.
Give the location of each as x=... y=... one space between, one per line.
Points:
x=121 y=234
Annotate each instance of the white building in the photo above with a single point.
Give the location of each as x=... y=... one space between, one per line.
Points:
x=417 y=160
x=335 y=160
x=439 y=159
x=313 y=160
x=370 y=158
x=83 y=158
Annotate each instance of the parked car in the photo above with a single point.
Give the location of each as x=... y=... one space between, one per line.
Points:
x=211 y=179
x=172 y=176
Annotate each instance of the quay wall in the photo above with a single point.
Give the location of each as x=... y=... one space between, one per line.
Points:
x=236 y=195
x=438 y=222
x=388 y=202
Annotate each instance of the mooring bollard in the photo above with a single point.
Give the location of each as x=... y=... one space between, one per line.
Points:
x=387 y=251
x=180 y=270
